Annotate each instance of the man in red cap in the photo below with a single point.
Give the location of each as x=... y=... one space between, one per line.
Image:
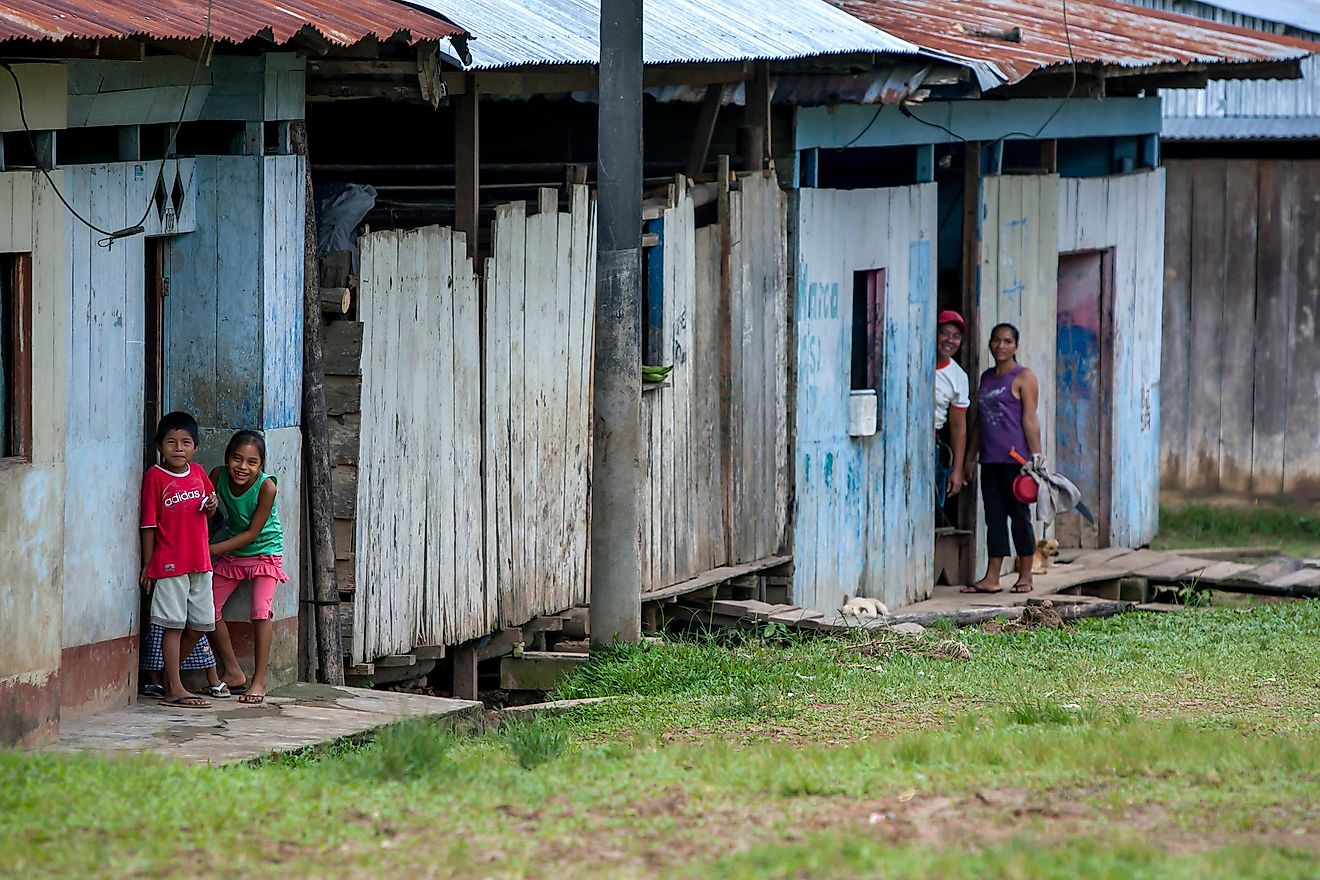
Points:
x=951 y=402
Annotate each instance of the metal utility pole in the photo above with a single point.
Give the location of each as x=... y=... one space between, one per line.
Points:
x=616 y=484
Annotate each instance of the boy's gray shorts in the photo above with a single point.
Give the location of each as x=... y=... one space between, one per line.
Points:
x=184 y=601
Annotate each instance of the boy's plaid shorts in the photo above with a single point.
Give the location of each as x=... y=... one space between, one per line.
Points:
x=154 y=660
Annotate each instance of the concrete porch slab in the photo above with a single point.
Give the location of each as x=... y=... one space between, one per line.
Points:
x=291 y=718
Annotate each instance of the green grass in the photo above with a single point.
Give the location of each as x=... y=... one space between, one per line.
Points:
x=1295 y=531
x=1181 y=745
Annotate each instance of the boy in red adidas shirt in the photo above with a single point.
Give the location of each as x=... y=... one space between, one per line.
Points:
x=177 y=498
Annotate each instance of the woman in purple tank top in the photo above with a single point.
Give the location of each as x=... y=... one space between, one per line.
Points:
x=1005 y=424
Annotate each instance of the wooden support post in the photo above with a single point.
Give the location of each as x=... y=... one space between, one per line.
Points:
x=130 y=143
x=1049 y=156
x=757 y=115
x=725 y=365
x=467 y=163
x=316 y=447
x=710 y=113
x=808 y=168
x=925 y=170
x=44 y=144
x=465 y=672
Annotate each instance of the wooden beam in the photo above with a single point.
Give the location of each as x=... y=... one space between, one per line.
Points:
x=757 y=116
x=579 y=78
x=582 y=78
x=706 y=119
x=101 y=50
x=464 y=658
x=467 y=164
x=338 y=90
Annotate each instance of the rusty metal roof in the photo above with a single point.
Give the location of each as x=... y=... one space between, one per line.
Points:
x=1018 y=37
x=343 y=22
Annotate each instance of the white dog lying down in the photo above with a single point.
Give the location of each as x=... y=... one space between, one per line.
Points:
x=863 y=606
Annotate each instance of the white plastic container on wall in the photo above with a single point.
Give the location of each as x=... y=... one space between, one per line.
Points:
x=863 y=406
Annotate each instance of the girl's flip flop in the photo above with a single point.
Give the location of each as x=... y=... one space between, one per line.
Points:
x=220 y=691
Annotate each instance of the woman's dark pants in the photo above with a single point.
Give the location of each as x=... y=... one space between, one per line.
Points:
x=1001 y=508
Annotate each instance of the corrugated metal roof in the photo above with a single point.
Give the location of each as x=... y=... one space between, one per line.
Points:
x=1238 y=129
x=1101 y=32
x=517 y=33
x=344 y=22
x=1301 y=14
x=1243 y=109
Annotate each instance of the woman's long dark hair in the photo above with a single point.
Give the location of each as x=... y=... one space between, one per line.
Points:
x=243 y=438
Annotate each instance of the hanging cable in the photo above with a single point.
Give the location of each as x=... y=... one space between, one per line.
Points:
x=1072 y=90
x=137 y=228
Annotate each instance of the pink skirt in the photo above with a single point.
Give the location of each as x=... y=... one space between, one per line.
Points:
x=242 y=568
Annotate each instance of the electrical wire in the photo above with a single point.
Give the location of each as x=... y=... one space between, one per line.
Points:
x=1072 y=90
x=139 y=227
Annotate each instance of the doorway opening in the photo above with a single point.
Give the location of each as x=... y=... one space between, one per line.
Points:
x=156 y=286
x=1083 y=406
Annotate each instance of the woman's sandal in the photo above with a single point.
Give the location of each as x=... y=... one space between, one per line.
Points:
x=976 y=588
x=189 y=701
x=252 y=699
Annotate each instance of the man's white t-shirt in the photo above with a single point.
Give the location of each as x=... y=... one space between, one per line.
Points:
x=951 y=390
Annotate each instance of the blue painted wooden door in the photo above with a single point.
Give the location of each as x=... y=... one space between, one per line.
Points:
x=1080 y=389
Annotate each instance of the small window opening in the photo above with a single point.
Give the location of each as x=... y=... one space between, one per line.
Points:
x=15 y=357
x=867 y=328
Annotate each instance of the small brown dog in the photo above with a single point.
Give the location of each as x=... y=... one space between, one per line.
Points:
x=1046 y=550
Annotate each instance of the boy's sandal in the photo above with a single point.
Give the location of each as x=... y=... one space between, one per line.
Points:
x=188 y=702
x=252 y=699
x=152 y=690
x=220 y=691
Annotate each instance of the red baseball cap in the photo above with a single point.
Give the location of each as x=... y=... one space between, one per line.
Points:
x=949 y=316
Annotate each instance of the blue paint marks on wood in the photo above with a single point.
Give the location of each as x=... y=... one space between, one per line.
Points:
x=865 y=526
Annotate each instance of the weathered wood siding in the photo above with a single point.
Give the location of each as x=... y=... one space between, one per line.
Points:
x=759 y=369
x=418 y=526
x=452 y=541
x=1126 y=213
x=104 y=401
x=540 y=319
x=1019 y=285
x=233 y=319
x=1241 y=364
x=694 y=516
x=864 y=511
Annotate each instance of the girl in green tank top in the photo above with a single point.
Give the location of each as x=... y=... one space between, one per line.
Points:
x=250 y=548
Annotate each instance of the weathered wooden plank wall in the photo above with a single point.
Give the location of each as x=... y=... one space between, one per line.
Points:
x=864 y=507
x=540 y=296
x=1241 y=364
x=419 y=571
x=450 y=541
x=103 y=440
x=759 y=311
x=684 y=528
x=1126 y=213
x=1019 y=285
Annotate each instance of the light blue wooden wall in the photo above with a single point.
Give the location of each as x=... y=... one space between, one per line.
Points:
x=104 y=365
x=864 y=516
x=233 y=322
